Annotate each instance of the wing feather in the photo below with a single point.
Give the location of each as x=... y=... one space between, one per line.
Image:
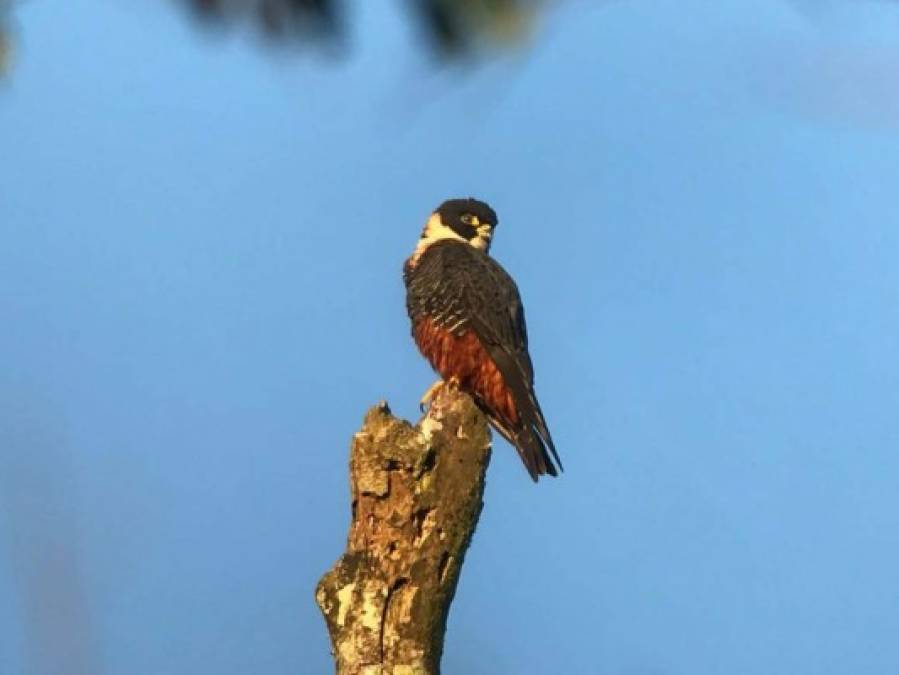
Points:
x=463 y=288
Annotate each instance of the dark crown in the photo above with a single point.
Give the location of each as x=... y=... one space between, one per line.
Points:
x=452 y=209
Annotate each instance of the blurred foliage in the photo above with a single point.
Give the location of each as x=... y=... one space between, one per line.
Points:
x=452 y=28
x=5 y=50
x=5 y=37
x=277 y=19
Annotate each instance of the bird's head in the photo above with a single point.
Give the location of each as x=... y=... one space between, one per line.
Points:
x=467 y=220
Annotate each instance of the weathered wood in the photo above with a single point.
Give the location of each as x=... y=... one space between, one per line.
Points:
x=416 y=497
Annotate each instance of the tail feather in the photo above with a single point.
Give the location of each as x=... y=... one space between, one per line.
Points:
x=530 y=447
x=530 y=435
x=543 y=429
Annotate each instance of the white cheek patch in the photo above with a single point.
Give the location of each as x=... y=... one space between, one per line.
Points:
x=436 y=231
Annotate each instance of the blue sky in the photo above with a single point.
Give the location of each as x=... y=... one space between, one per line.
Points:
x=200 y=252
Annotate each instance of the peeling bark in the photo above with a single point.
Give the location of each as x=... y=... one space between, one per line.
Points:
x=416 y=497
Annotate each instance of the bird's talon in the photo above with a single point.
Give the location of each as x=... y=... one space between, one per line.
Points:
x=425 y=403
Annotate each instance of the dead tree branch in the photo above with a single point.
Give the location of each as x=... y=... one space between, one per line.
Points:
x=416 y=497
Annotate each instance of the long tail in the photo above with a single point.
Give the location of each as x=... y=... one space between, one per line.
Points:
x=526 y=427
x=542 y=429
x=531 y=447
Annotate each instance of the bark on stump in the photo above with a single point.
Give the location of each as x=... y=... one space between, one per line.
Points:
x=416 y=497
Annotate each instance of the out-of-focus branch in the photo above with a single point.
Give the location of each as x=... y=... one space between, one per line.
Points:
x=416 y=497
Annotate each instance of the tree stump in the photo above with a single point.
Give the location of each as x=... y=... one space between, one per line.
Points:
x=416 y=497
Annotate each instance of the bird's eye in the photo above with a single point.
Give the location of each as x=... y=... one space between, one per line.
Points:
x=467 y=218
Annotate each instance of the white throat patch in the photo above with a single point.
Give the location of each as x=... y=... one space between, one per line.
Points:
x=436 y=231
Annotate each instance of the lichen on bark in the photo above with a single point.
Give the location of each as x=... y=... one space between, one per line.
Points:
x=416 y=496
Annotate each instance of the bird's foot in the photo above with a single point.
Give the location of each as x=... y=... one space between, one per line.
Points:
x=434 y=390
x=430 y=395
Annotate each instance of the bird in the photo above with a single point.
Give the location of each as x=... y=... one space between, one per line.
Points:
x=468 y=322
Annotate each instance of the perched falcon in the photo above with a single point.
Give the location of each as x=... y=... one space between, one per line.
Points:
x=468 y=321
